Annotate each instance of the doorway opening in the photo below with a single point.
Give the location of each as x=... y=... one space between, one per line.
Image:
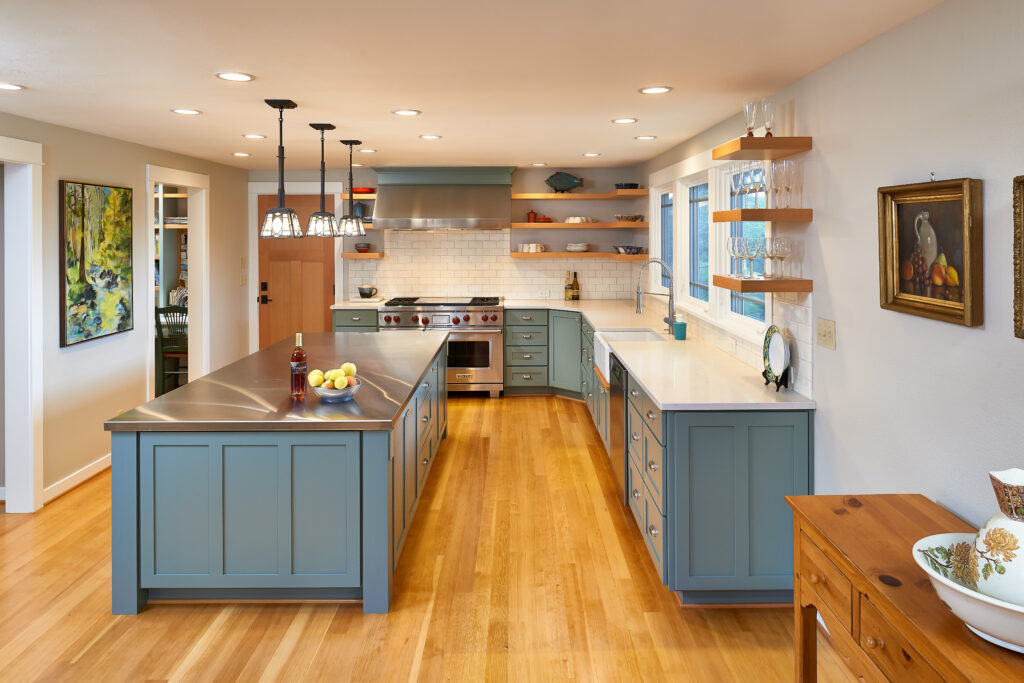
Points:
x=170 y=286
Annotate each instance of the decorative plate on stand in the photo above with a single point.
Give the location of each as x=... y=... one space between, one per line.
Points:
x=776 y=358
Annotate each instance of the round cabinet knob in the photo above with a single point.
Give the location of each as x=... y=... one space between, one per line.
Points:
x=873 y=643
x=652 y=466
x=398 y=318
x=425 y=418
x=815 y=579
x=455 y=320
x=636 y=494
x=634 y=393
x=652 y=530
x=424 y=461
x=650 y=414
x=415 y=318
x=387 y=318
x=636 y=437
x=425 y=320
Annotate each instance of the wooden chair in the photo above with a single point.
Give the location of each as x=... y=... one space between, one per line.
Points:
x=172 y=343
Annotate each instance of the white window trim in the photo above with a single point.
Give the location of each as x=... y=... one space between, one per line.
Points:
x=684 y=300
x=654 y=272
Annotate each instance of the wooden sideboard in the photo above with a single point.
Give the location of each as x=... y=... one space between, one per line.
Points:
x=853 y=566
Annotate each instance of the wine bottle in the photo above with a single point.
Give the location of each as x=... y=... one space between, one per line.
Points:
x=575 y=287
x=568 y=286
x=298 y=367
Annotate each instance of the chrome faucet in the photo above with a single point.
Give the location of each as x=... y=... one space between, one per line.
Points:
x=671 y=290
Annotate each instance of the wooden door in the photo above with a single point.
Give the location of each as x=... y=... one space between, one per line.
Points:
x=299 y=276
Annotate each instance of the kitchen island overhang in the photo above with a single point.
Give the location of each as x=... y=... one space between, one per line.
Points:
x=227 y=488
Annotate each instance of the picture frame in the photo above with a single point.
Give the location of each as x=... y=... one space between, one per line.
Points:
x=1018 y=256
x=95 y=252
x=930 y=250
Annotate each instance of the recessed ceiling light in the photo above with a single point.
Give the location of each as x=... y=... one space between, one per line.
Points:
x=591 y=154
x=655 y=90
x=430 y=137
x=539 y=163
x=406 y=112
x=11 y=86
x=254 y=136
x=236 y=76
x=624 y=120
x=187 y=112
x=646 y=137
x=240 y=154
x=367 y=151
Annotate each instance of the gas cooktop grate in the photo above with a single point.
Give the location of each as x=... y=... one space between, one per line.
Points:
x=435 y=301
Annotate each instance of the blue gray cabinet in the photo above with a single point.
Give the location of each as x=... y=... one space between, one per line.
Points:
x=354 y=319
x=564 y=338
x=244 y=509
x=730 y=532
x=526 y=349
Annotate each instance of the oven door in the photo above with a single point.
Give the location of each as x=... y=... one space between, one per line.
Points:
x=475 y=357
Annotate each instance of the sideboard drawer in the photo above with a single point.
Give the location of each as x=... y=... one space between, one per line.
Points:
x=526 y=355
x=526 y=335
x=889 y=650
x=515 y=316
x=827 y=581
x=526 y=377
x=359 y=317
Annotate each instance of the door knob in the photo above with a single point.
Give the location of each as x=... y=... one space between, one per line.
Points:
x=264 y=299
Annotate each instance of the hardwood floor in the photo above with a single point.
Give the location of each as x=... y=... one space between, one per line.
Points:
x=521 y=565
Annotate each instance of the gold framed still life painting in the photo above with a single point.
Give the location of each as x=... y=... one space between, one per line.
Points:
x=929 y=250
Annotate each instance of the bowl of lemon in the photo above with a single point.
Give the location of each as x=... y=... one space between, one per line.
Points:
x=337 y=385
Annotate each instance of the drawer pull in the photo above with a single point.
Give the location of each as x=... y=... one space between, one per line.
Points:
x=527 y=376
x=815 y=579
x=355 y=318
x=650 y=414
x=527 y=336
x=426 y=385
x=652 y=466
x=590 y=396
x=425 y=461
x=634 y=393
x=636 y=494
x=652 y=530
x=527 y=356
x=872 y=644
x=527 y=317
x=425 y=418
x=635 y=436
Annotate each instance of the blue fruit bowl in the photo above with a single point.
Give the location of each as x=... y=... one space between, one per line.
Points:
x=338 y=395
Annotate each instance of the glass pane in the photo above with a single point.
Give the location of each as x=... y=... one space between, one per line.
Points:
x=666 y=234
x=699 y=242
x=469 y=354
x=749 y=305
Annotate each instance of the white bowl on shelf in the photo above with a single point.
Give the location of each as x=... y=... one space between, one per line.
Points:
x=578 y=247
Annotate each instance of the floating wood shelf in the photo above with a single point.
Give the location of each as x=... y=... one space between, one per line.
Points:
x=356 y=254
x=787 y=284
x=577 y=226
x=580 y=254
x=175 y=226
x=615 y=194
x=755 y=149
x=359 y=196
x=780 y=215
x=174 y=195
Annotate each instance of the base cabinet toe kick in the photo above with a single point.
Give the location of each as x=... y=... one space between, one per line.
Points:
x=271 y=515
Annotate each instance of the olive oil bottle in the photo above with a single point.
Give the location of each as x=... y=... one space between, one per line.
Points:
x=568 y=286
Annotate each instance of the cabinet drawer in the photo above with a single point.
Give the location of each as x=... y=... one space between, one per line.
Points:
x=889 y=650
x=526 y=377
x=588 y=332
x=424 y=454
x=834 y=589
x=635 y=437
x=526 y=316
x=526 y=335
x=358 y=317
x=647 y=408
x=654 y=533
x=653 y=463
x=635 y=489
x=424 y=414
x=587 y=357
x=635 y=394
x=526 y=355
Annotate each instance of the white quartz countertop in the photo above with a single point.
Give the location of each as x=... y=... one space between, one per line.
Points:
x=678 y=375
x=374 y=302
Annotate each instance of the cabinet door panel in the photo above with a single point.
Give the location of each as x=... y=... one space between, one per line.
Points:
x=176 y=504
x=564 y=340
x=251 y=520
x=711 y=491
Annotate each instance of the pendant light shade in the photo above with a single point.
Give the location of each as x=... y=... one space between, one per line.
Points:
x=322 y=223
x=351 y=224
x=280 y=221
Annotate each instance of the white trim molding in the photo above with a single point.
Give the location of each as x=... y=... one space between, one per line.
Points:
x=23 y=323
x=75 y=478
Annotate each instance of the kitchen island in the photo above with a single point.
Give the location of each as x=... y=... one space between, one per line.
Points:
x=227 y=488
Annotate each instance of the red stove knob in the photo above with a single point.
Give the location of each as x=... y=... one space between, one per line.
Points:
x=455 y=320
x=398 y=318
x=493 y=317
x=415 y=318
x=387 y=318
x=425 y=320
x=466 y=317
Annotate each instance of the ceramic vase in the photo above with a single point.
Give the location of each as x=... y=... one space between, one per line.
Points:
x=996 y=565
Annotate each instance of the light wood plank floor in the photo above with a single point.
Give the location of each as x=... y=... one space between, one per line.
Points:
x=521 y=566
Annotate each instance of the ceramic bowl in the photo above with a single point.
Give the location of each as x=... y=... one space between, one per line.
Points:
x=997 y=621
x=580 y=246
x=580 y=219
x=628 y=249
x=627 y=186
x=338 y=395
x=629 y=217
x=363 y=190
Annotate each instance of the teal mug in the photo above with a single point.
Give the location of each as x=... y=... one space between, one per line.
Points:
x=679 y=329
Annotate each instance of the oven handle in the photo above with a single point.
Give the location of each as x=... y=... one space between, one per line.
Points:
x=485 y=330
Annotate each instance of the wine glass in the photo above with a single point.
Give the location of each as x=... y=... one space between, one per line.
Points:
x=769 y=256
x=750 y=108
x=782 y=247
x=758 y=181
x=736 y=179
x=786 y=166
x=768 y=106
x=768 y=172
x=735 y=247
x=747 y=176
x=754 y=250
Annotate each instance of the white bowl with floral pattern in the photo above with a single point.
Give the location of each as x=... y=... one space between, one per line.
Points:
x=951 y=563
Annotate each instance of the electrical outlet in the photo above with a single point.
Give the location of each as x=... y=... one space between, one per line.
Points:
x=826 y=333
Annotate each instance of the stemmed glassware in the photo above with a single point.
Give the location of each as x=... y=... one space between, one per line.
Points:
x=753 y=249
x=759 y=182
x=750 y=108
x=770 y=180
x=736 y=249
x=777 y=249
x=786 y=182
x=768 y=105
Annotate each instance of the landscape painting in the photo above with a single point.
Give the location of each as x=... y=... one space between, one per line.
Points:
x=96 y=261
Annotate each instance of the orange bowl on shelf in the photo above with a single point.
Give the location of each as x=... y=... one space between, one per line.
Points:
x=363 y=190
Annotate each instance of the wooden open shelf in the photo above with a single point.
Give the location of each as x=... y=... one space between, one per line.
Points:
x=356 y=254
x=755 y=149
x=359 y=196
x=584 y=226
x=788 y=284
x=175 y=195
x=615 y=194
x=175 y=226
x=780 y=215
x=580 y=254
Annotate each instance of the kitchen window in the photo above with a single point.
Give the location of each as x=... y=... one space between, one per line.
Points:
x=667 y=227
x=699 y=243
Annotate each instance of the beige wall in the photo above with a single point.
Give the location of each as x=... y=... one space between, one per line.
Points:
x=88 y=383
x=907 y=404
x=2 y=425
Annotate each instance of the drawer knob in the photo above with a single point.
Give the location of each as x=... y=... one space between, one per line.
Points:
x=425 y=461
x=635 y=436
x=527 y=336
x=652 y=466
x=355 y=318
x=872 y=643
x=636 y=494
x=650 y=414
x=590 y=396
x=815 y=579
x=652 y=530
x=426 y=385
x=634 y=393
x=527 y=317
x=425 y=418
x=527 y=376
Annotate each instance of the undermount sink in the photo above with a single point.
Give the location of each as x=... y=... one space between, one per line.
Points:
x=602 y=338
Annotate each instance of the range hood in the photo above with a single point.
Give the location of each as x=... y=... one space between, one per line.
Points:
x=443 y=198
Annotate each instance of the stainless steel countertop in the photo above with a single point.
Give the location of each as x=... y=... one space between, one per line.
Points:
x=253 y=393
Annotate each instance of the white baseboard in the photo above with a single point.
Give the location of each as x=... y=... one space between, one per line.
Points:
x=3 y=493
x=75 y=478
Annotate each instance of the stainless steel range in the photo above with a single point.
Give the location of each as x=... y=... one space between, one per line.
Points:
x=475 y=346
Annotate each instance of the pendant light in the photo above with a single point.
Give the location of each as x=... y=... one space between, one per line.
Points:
x=280 y=221
x=351 y=224
x=322 y=223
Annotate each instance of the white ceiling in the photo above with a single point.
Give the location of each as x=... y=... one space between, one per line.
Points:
x=504 y=82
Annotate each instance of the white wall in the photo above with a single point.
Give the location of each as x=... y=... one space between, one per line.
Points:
x=91 y=382
x=907 y=404
x=2 y=425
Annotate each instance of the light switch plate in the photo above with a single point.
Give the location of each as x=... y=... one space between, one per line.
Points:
x=826 y=333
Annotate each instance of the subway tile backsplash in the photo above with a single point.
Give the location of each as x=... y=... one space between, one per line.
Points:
x=477 y=263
